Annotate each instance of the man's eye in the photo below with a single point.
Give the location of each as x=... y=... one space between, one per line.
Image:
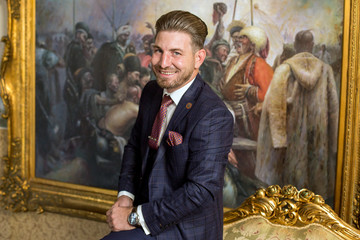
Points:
x=177 y=53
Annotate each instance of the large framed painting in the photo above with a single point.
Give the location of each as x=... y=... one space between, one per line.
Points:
x=73 y=71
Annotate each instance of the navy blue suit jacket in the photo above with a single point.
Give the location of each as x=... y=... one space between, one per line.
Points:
x=186 y=182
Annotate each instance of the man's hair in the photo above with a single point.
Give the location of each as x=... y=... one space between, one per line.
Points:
x=182 y=21
x=217 y=44
x=304 y=41
x=144 y=71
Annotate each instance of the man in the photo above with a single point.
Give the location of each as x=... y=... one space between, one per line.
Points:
x=323 y=54
x=74 y=60
x=47 y=129
x=288 y=52
x=129 y=88
x=74 y=55
x=95 y=104
x=173 y=189
x=298 y=131
x=109 y=56
x=144 y=76
x=234 y=29
x=145 y=56
x=213 y=69
x=90 y=49
x=247 y=79
x=219 y=10
x=243 y=87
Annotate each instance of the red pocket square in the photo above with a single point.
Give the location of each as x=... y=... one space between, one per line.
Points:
x=174 y=138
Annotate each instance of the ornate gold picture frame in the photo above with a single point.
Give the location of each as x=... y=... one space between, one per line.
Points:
x=21 y=190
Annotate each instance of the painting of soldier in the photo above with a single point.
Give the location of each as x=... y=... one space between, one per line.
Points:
x=94 y=59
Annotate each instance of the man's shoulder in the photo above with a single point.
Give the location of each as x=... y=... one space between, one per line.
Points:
x=208 y=99
x=151 y=87
x=74 y=46
x=152 y=84
x=106 y=46
x=260 y=63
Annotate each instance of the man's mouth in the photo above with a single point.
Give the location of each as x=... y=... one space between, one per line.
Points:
x=167 y=73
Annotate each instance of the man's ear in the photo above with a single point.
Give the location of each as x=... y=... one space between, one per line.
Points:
x=199 y=57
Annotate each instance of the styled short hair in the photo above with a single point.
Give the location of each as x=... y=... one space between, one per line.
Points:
x=183 y=21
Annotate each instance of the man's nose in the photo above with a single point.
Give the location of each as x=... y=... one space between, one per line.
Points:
x=165 y=60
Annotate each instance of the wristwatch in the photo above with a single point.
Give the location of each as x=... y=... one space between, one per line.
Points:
x=133 y=218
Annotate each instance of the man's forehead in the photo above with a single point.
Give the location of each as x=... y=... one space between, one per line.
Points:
x=236 y=34
x=178 y=41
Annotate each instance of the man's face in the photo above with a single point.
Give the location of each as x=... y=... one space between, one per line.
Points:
x=81 y=36
x=114 y=83
x=89 y=43
x=174 y=61
x=87 y=81
x=221 y=53
x=123 y=37
x=133 y=77
x=144 y=80
x=244 y=45
x=147 y=46
x=235 y=38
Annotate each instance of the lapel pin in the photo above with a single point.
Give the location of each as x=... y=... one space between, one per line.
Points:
x=188 y=105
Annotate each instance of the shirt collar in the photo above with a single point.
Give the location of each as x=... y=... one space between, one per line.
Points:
x=177 y=94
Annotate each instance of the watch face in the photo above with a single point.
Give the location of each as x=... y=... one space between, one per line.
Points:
x=133 y=218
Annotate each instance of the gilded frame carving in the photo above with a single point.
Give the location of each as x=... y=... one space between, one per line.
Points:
x=20 y=190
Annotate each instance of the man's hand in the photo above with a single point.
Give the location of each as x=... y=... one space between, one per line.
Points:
x=117 y=215
x=124 y=201
x=241 y=90
x=232 y=158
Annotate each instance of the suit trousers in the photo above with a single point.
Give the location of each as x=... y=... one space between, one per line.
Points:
x=135 y=234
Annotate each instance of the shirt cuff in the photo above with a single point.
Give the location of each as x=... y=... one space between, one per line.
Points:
x=126 y=193
x=142 y=220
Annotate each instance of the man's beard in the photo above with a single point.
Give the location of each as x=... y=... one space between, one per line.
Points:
x=242 y=49
x=164 y=83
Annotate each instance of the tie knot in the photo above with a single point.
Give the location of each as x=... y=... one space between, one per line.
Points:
x=166 y=101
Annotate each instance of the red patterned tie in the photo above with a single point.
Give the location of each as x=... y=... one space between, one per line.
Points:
x=159 y=121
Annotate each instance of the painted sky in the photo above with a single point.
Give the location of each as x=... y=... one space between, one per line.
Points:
x=323 y=16
x=280 y=18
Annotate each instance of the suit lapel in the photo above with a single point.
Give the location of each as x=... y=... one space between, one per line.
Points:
x=186 y=103
x=154 y=106
x=154 y=109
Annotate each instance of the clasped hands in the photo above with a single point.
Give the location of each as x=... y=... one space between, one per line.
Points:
x=117 y=215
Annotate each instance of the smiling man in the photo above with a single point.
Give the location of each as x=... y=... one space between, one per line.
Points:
x=172 y=176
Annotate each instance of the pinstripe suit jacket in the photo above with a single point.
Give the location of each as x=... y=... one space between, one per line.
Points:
x=186 y=181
